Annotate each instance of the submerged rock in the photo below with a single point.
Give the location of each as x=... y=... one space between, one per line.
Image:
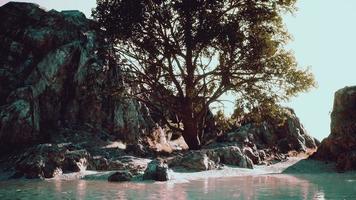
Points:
x=156 y=170
x=120 y=177
x=340 y=145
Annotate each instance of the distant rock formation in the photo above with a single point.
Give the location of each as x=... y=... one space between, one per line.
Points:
x=51 y=77
x=340 y=145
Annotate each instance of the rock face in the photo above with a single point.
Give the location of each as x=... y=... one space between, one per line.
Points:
x=287 y=136
x=340 y=145
x=52 y=77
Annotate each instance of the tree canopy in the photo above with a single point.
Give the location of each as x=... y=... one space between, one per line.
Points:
x=182 y=55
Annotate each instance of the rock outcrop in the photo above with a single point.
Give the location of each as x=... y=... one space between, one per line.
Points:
x=290 y=135
x=340 y=145
x=52 y=77
x=47 y=161
x=63 y=107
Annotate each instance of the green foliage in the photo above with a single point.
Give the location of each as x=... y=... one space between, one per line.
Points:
x=182 y=55
x=222 y=122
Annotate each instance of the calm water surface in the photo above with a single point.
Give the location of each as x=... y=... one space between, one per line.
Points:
x=264 y=187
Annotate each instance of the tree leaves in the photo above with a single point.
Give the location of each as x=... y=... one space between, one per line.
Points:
x=201 y=49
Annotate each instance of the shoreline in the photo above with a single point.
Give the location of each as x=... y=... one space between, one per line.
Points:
x=293 y=165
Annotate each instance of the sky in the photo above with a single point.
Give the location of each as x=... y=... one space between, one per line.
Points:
x=324 y=40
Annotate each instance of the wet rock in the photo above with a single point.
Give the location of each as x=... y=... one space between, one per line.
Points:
x=340 y=145
x=346 y=162
x=42 y=161
x=49 y=160
x=157 y=170
x=99 y=163
x=76 y=161
x=120 y=177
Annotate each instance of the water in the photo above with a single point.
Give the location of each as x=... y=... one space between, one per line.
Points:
x=263 y=187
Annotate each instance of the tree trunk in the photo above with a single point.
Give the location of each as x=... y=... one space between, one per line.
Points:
x=191 y=124
x=191 y=133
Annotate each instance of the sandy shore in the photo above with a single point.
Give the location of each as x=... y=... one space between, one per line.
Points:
x=294 y=165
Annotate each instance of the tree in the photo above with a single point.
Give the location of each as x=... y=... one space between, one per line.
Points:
x=182 y=55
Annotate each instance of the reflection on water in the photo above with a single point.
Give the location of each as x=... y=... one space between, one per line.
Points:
x=264 y=187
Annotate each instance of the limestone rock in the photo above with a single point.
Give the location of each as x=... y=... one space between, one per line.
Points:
x=53 y=76
x=340 y=145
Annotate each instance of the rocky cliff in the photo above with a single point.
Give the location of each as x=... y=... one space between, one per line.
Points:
x=65 y=108
x=52 y=78
x=340 y=145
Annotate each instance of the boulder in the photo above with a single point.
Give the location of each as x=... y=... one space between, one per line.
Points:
x=286 y=135
x=120 y=177
x=132 y=164
x=76 y=161
x=198 y=161
x=208 y=159
x=254 y=156
x=49 y=160
x=99 y=163
x=340 y=145
x=232 y=155
x=53 y=75
x=157 y=170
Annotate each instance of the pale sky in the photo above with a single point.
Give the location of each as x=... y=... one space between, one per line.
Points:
x=324 y=34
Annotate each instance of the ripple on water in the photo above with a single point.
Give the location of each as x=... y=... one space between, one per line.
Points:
x=264 y=187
